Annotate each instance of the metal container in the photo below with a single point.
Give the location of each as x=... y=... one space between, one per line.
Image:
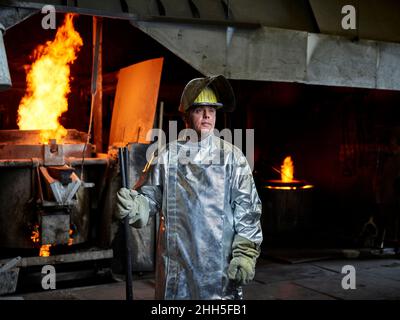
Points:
x=287 y=208
x=25 y=201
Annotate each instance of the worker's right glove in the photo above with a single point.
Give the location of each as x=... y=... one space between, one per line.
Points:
x=134 y=205
x=244 y=255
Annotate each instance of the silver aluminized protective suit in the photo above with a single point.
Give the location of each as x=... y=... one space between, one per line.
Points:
x=206 y=193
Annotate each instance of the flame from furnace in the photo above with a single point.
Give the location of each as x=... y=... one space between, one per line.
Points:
x=287 y=170
x=48 y=83
x=287 y=177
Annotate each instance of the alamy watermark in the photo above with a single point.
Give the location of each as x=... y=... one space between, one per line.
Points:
x=189 y=153
x=349 y=20
x=349 y=280
x=49 y=277
x=49 y=20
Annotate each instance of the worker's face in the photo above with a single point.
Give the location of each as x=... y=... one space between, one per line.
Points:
x=202 y=120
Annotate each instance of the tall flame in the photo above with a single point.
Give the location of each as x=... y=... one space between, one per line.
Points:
x=287 y=170
x=48 y=83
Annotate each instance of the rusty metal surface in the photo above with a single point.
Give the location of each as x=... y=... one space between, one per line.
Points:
x=33 y=137
x=62 y=174
x=62 y=194
x=19 y=162
x=55 y=228
x=20 y=151
x=25 y=144
x=18 y=211
x=17 y=207
x=135 y=102
x=35 y=162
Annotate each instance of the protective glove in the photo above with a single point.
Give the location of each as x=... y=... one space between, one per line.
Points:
x=134 y=205
x=244 y=255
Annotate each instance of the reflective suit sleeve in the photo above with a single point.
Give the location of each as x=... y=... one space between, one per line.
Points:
x=245 y=201
x=152 y=189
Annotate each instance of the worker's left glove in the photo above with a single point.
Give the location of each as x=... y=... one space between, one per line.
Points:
x=244 y=256
x=134 y=205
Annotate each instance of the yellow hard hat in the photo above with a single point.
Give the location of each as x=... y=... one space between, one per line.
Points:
x=207 y=97
x=208 y=91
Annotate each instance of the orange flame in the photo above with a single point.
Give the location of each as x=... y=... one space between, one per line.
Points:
x=48 y=83
x=35 y=234
x=70 y=240
x=35 y=237
x=45 y=248
x=287 y=170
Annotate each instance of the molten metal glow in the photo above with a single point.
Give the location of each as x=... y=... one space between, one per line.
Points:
x=35 y=234
x=287 y=181
x=70 y=240
x=35 y=237
x=287 y=170
x=45 y=248
x=307 y=186
x=48 y=83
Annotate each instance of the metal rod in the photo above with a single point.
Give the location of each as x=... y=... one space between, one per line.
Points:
x=126 y=158
x=20 y=163
x=128 y=280
x=98 y=77
x=280 y=172
x=160 y=125
x=93 y=89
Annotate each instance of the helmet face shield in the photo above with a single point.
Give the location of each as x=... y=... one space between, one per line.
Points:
x=213 y=91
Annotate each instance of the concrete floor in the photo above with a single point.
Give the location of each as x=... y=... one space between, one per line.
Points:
x=320 y=279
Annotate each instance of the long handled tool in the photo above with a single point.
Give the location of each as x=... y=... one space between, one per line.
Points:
x=123 y=158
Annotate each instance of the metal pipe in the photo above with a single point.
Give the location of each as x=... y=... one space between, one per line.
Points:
x=97 y=83
x=20 y=163
x=72 y=161
x=129 y=290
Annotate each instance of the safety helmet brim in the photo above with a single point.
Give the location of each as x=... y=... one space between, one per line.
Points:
x=221 y=87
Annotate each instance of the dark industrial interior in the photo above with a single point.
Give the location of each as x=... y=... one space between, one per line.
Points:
x=343 y=141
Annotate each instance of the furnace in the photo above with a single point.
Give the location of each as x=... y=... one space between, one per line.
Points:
x=287 y=204
x=44 y=195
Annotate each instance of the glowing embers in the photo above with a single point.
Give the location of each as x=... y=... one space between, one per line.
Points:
x=287 y=181
x=45 y=248
x=48 y=80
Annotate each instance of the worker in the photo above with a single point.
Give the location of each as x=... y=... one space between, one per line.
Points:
x=210 y=234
